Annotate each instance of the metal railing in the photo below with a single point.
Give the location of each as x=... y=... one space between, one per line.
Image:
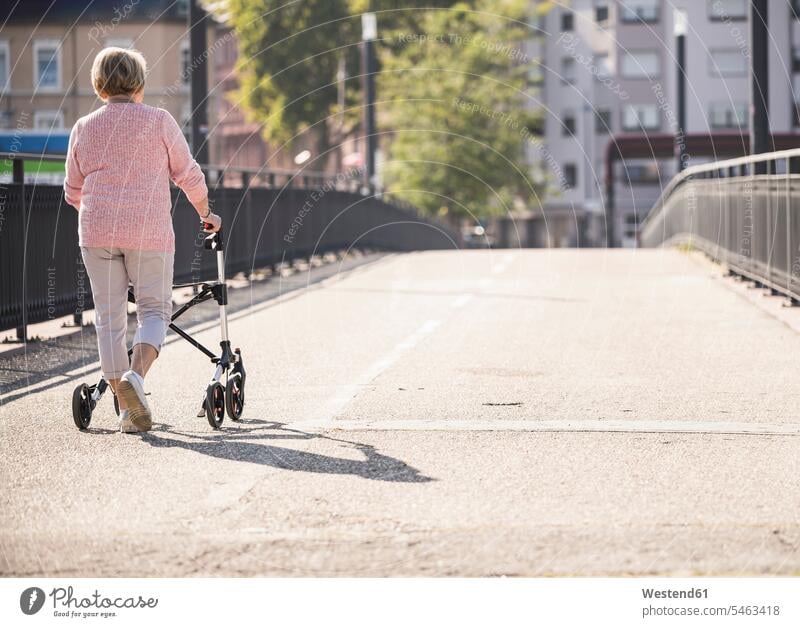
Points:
x=41 y=271
x=744 y=213
x=218 y=175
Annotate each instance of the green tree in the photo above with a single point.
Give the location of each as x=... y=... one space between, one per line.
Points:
x=288 y=60
x=290 y=53
x=454 y=103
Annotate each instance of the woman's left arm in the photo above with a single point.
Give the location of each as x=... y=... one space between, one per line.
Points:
x=73 y=181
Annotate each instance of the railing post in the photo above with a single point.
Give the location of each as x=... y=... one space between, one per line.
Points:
x=788 y=192
x=249 y=220
x=18 y=172
x=793 y=167
x=18 y=178
x=768 y=170
x=751 y=173
x=731 y=222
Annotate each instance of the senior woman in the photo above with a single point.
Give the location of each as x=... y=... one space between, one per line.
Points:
x=120 y=161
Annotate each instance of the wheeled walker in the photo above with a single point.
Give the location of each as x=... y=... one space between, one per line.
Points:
x=218 y=398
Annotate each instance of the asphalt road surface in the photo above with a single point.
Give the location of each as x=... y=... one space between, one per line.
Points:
x=445 y=413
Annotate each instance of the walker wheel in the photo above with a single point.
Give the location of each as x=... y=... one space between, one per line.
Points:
x=234 y=396
x=215 y=404
x=82 y=406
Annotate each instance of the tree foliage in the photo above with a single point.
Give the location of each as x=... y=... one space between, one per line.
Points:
x=452 y=105
x=288 y=58
x=289 y=53
x=455 y=103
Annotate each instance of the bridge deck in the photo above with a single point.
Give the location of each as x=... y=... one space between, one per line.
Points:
x=486 y=412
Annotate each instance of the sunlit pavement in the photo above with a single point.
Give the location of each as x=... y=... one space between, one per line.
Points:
x=447 y=413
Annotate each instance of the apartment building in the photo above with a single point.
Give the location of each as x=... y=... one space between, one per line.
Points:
x=608 y=77
x=46 y=52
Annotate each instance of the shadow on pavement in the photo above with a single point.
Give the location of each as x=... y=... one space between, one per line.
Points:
x=236 y=445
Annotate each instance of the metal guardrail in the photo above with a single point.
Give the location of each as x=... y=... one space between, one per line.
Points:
x=218 y=175
x=744 y=213
x=42 y=271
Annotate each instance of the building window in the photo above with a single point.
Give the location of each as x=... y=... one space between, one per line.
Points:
x=4 y=65
x=185 y=119
x=119 y=42
x=535 y=74
x=640 y=64
x=536 y=126
x=725 y=10
x=603 y=64
x=631 y=227
x=601 y=13
x=570 y=175
x=727 y=115
x=602 y=121
x=796 y=99
x=639 y=11
x=568 y=70
x=186 y=62
x=48 y=120
x=730 y=62
x=568 y=124
x=639 y=173
x=46 y=65
x=567 y=19
x=181 y=8
x=640 y=118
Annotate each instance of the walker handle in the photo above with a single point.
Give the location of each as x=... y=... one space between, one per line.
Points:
x=213 y=241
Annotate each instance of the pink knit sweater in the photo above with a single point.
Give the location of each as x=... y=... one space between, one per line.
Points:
x=119 y=163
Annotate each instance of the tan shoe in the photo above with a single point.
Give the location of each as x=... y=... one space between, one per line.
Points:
x=131 y=388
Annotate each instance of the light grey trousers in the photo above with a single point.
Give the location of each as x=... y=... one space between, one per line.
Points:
x=110 y=270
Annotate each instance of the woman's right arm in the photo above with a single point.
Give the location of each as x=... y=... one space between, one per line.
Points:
x=207 y=216
x=73 y=180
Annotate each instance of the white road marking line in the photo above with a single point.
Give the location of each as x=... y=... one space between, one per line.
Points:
x=501 y=266
x=462 y=300
x=563 y=426
x=342 y=398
